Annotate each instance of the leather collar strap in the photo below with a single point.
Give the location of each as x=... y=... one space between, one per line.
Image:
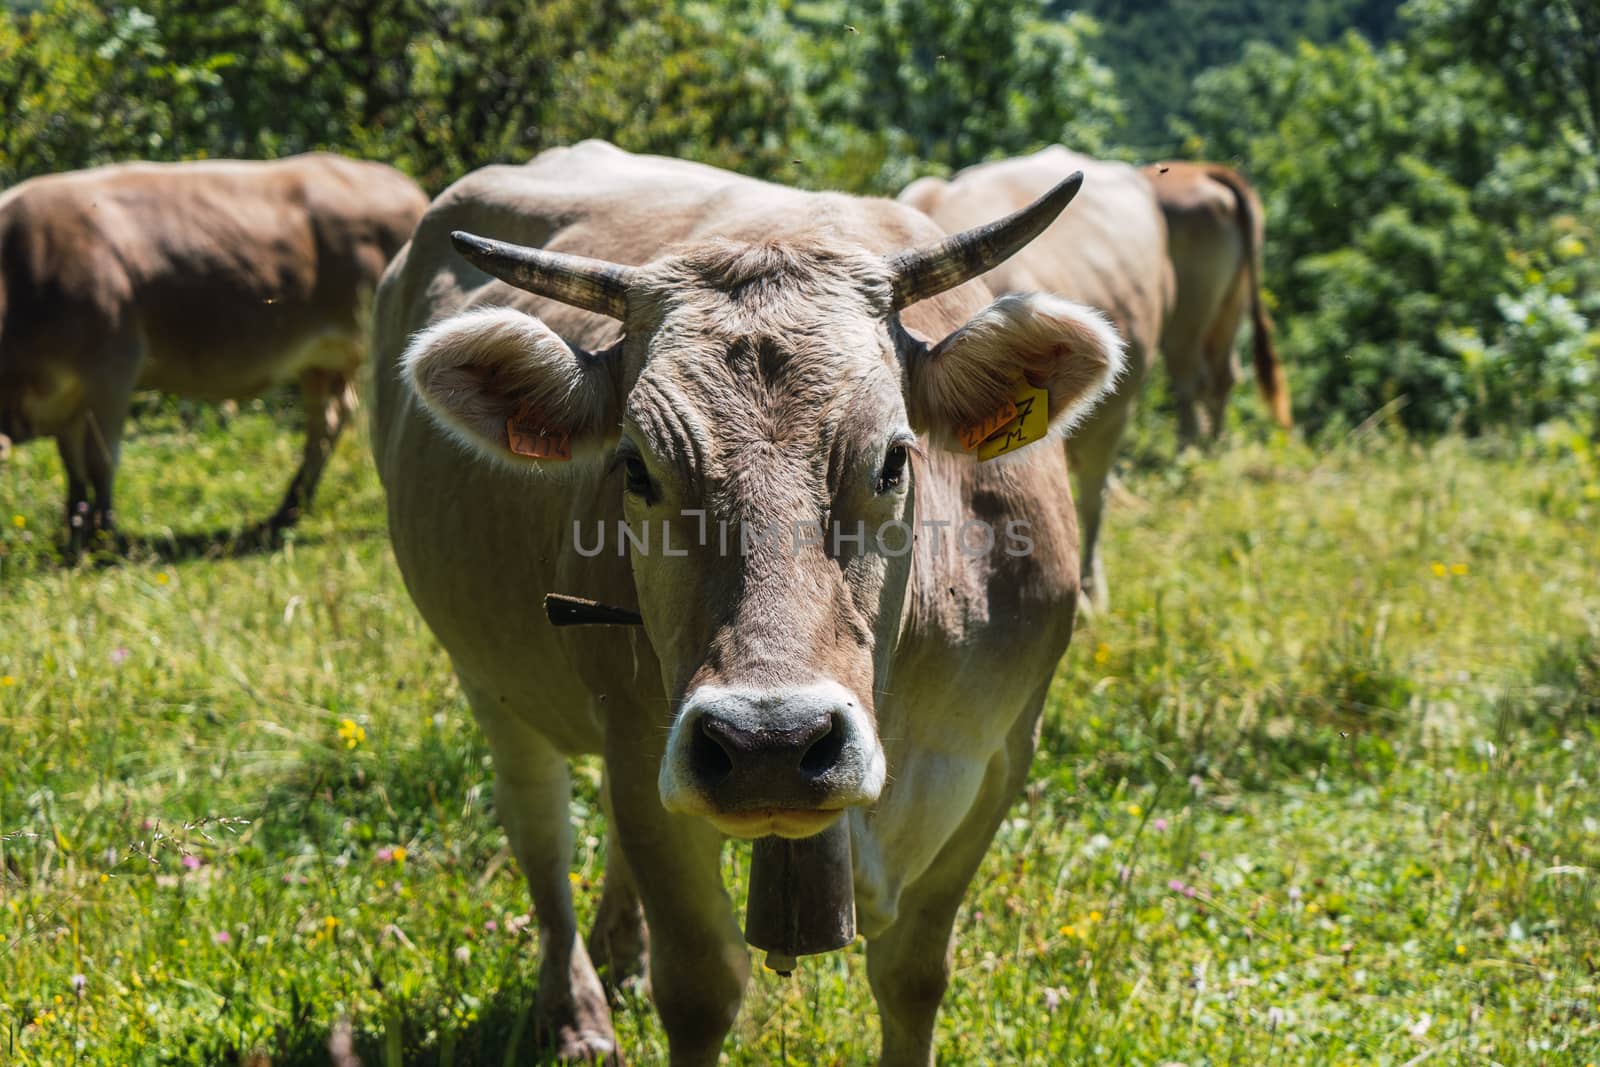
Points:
x=577 y=611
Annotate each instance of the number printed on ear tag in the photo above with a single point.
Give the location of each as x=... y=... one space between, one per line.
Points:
x=979 y=432
x=1031 y=423
x=527 y=437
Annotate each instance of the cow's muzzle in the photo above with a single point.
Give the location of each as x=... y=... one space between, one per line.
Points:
x=757 y=762
x=5 y=448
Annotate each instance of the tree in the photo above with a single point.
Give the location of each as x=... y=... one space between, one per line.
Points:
x=1429 y=228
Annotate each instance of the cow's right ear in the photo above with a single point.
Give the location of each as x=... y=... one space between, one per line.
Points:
x=501 y=382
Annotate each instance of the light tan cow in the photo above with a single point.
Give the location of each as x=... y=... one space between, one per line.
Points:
x=211 y=280
x=1214 y=236
x=1108 y=252
x=767 y=386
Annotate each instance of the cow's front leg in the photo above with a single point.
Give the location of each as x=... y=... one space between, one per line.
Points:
x=618 y=943
x=908 y=965
x=698 y=961
x=328 y=400
x=89 y=449
x=532 y=789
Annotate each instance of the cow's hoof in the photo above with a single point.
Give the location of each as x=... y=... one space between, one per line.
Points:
x=586 y=1046
x=620 y=950
x=283 y=520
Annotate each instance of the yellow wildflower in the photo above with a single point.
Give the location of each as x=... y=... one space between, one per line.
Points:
x=7 y=681
x=1102 y=653
x=351 y=733
x=1095 y=916
x=1135 y=810
x=18 y=521
x=398 y=854
x=1461 y=950
x=1458 y=569
x=1439 y=569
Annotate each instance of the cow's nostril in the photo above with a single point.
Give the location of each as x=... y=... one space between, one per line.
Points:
x=823 y=755
x=708 y=756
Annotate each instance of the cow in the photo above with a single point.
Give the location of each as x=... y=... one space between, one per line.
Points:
x=1109 y=252
x=595 y=338
x=212 y=280
x=1214 y=237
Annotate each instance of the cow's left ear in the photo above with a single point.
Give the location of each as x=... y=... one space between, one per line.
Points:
x=968 y=380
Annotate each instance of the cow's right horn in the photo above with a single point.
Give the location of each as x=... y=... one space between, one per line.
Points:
x=590 y=284
x=930 y=270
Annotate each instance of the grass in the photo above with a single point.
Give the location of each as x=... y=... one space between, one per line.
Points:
x=1322 y=788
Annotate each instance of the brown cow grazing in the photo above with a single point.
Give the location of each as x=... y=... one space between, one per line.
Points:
x=1108 y=252
x=211 y=280
x=1214 y=236
x=771 y=389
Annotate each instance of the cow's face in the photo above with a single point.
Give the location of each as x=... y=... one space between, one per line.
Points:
x=762 y=420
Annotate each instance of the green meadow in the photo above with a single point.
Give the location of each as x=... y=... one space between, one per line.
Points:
x=1323 y=787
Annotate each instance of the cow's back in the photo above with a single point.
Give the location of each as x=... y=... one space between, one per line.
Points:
x=1109 y=251
x=215 y=272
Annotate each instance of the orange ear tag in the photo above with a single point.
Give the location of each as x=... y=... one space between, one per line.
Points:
x=527 y=437
x=1030 y=423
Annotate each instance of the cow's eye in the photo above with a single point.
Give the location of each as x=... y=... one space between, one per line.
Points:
x=894 y=470
x=637 y=478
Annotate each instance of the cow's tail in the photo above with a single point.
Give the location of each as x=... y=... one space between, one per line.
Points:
x=1269 y=372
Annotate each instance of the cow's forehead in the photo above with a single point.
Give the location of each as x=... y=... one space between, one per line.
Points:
x=760 y=352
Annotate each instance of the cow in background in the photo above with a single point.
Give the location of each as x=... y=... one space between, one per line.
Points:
x=1110 y=253
x=212 y=280
x=1214 y=237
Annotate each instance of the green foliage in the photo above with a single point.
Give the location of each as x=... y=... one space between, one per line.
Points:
x=440 y=87
x=942 y=86
x=1157 y=47
x=1429 y=234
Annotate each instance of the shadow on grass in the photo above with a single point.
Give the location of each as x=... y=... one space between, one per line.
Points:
x=500 y=1030
x=262 y=538
x=259 y=539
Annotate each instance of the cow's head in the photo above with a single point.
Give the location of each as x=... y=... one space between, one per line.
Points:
x=764 y=408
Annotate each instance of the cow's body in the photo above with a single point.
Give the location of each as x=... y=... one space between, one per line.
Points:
x=1108 y=252
x=960 y=652
x=1215 y=229
x=211 y=280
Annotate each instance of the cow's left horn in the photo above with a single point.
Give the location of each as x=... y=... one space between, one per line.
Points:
x=928 y=271
x=590 y=284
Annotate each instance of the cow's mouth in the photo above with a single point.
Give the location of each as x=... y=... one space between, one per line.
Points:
x=774 y=822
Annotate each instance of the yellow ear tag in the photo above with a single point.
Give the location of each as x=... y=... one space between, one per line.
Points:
x=1030 y=423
